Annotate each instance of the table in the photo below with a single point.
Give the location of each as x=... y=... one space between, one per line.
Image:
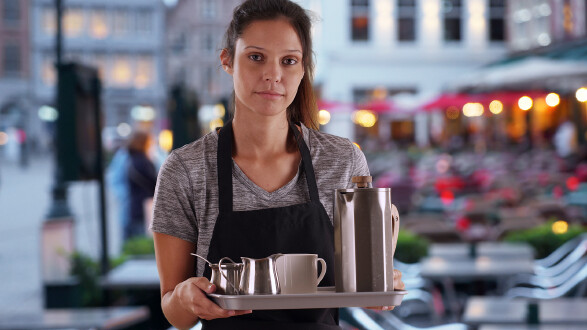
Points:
x=484 y=249
x=480 y=268
x=78 y=318
x=499 y=310
x=133 y=274
x=447 y=271
x=532 y=327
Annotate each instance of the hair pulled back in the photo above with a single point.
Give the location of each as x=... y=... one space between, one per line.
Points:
x=303 y=108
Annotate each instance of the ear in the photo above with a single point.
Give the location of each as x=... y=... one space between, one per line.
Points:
x=226 y=62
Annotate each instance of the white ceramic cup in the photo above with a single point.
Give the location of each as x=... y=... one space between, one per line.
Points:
x=298 y=273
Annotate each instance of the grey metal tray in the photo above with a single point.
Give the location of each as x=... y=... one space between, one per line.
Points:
x=326 y=297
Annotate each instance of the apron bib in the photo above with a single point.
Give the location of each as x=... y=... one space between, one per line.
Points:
x=300 y=228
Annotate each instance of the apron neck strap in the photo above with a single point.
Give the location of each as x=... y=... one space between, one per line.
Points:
x=224 y=166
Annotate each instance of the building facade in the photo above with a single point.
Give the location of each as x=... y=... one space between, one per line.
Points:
x=124 y=40
x=402 y=49
x=14 y=68
x=194 y=35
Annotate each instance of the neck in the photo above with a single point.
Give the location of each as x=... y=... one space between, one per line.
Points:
x=261 y=136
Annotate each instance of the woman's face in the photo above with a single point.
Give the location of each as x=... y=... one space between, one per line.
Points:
x=267 y=67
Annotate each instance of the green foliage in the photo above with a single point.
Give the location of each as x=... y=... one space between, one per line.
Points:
x=139 y=246
x=543 y=239
x=87 y=271
x=410 y=247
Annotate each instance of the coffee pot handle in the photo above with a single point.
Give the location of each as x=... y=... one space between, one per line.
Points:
x=323 y=271
x=225 y=277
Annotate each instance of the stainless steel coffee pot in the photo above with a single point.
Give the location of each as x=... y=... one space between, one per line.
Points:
x=259 y=276
x=366 y=225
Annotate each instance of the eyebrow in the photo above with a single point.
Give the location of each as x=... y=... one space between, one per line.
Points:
x=261 y=48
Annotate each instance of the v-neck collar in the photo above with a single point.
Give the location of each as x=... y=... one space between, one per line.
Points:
x=238 y=173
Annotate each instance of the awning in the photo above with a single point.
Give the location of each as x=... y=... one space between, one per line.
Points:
x=458 y=100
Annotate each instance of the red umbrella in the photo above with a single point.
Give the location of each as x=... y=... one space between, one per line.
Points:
x=446 y=100
x=378 y=106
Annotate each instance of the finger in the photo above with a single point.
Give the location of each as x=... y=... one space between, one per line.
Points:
x=203 y=284
x=242 y=312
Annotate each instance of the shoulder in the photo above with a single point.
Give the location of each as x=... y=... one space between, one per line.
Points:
x=324 y=141
x=192 y=156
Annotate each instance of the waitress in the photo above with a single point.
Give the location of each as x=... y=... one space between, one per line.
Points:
x=262 y=184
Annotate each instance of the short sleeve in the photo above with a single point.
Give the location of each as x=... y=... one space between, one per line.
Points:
x=360 y=167
x=173 y=207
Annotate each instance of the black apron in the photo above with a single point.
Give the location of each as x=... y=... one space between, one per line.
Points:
x=301 y=228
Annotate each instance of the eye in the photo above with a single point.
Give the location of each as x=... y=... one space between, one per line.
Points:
x=290 y=61
x=255 y=57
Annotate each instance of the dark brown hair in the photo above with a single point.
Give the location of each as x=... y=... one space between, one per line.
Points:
x=303 y=108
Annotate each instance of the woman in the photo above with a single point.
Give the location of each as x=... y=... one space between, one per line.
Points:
x=142 y=178
x=263 y=184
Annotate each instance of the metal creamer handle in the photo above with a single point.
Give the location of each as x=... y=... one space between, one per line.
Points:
x=225 y=277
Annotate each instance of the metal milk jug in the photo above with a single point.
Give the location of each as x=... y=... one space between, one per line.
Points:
x=366 y=225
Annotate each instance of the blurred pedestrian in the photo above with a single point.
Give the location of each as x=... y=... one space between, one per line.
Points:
x=117 y=178
x=565 y=143
x=142 y=178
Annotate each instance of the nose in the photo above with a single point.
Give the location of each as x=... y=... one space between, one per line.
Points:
x=272 y=72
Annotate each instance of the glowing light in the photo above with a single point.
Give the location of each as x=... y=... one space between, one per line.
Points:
x=447 y=197
x=553 y=99
x=143 y=113
x=123 y=129
x=3 y=138
x=358 y=146
x=216 y=123
x=364 y=118
x=166 y=140
x=219 y=110
x=560 y=227
x=525 y=103
x=47 y=113
x=573 y=183
x=473 y=109
x=581 y=94
x=496 y=107
x=323 y=117
x=452 y=112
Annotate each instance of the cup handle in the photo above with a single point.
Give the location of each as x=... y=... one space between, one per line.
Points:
x=323 y=272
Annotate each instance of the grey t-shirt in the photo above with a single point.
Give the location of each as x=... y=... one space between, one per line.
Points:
x=186 y=197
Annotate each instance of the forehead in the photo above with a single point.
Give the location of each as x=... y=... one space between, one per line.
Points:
x=275 y=34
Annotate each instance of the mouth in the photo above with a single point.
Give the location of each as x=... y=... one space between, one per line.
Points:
x=271 y=95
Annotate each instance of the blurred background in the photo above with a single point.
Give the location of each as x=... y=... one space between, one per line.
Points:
x=473 y=111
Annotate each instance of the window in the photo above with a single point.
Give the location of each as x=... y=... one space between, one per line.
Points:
x=179 y=44
x=359 y=20
x=48 y=74
x=121 y=71
x=121 y=23
x=208 y=43
x=11 y=12
x=99 y=28
x=144 y=22
x=496 y=20
x=48 y=21
x=406 y=20
x=209 y=9
x=144 y=75
x=73 y=22
x=11 y=60
x=452 y=20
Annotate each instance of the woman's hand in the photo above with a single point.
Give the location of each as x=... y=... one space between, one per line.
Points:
x=192 y=296
x=398 y=284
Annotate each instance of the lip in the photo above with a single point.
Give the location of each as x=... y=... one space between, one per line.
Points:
x=271 y=95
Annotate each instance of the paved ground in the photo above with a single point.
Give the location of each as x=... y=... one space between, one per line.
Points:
x=24 y=202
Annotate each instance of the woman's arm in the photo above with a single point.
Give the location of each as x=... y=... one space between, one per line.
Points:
x=183 y=297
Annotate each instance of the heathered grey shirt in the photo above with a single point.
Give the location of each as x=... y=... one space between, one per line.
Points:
x=186 y=197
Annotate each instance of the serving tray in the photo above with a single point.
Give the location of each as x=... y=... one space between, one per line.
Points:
x=326 y=297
